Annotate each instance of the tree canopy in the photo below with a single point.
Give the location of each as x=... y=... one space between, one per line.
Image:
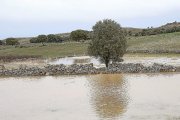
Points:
x=12 y=41
x=78 y=35
x=1 y=42
x=108 y=42
x=54 y=38
x=42 y=39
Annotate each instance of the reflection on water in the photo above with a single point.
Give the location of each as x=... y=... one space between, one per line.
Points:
x=108 y=95
x=93 y=97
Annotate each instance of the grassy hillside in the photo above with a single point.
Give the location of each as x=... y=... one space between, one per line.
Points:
x=170 y=41
x=50 y=50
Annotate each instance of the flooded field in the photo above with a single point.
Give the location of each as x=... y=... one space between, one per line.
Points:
x=147 y=61
x=143 y=60
x=94 y=97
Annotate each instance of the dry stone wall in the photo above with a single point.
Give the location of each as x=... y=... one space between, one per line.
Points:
x=77 y=69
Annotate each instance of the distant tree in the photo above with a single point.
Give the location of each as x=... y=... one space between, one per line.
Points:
x=1 y=42
x=54 y=38
x=59 y=39
x=130 y=33
x=42 y=39
x=143 y=33
x=12 y=41
x=109 y=42
x=33 y=40
x=78 y=35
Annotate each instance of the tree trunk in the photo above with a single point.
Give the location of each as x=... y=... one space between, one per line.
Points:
x=106 y=63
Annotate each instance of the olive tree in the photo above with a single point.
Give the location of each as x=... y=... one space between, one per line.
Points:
x=108 y=42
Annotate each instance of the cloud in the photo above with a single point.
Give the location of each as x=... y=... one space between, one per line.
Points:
x=44 y=10
x=82 y=13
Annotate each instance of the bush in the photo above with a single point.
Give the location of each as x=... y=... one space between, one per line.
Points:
x=78 y=35
x=12 y=41
x=51 y=38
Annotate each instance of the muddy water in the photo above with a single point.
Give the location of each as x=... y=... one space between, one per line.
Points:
x=96 y=97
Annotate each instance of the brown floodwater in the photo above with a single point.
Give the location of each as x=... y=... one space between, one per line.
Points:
x=91 y=97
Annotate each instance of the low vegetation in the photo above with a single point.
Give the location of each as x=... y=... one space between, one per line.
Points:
x=168 y=28
x=50 y=50
x=162 y=42
x=51 y=38
x=2 y=42
x=12 y=41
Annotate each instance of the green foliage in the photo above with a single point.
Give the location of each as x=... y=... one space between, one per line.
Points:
x=33 y=40
x=51 y=38
x=2 y=42
x=108 y=43
x=12 y=41
x=42 y=39
x=54 y=38
x=78 y=35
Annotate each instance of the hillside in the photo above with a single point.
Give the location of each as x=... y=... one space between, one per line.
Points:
x=168 y=43
x=170 y=25
x=167 y=28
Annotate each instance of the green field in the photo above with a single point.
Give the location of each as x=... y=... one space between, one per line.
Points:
x=170 y=41
x=50 y=50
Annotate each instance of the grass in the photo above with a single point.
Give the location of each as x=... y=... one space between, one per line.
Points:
x=151 y=55
x=170 y=41
x=48 y=51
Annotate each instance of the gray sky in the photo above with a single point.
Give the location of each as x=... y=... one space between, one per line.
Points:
x=22 y=18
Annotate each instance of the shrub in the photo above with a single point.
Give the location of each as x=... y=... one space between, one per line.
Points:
x=12 y=41
x=54 y=38
x=42 y=39
x=33 y=40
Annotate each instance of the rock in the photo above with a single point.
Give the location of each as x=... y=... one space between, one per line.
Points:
x=77 y=69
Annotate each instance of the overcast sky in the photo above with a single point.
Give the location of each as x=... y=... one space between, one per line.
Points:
x=22 y=18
